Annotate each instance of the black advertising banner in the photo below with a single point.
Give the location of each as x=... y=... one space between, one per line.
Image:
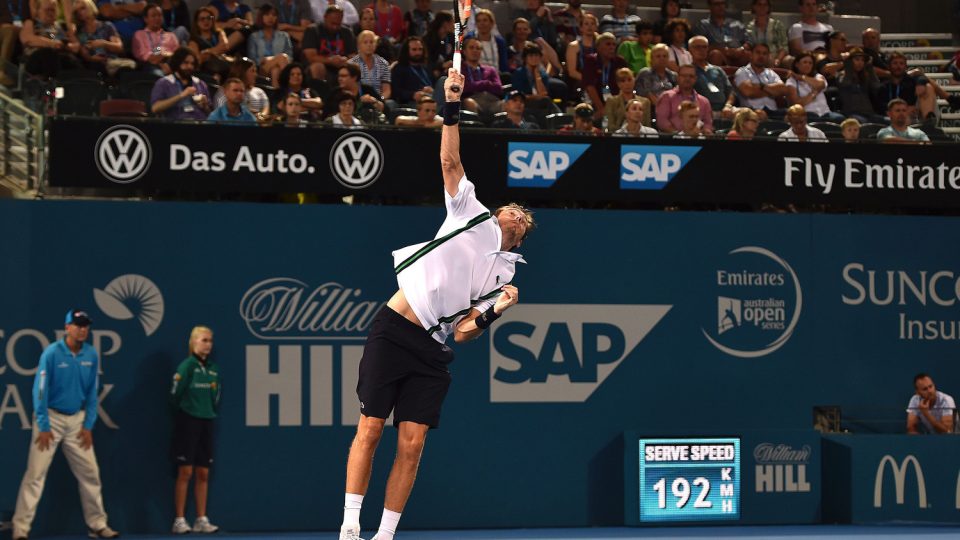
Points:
x=536 y=168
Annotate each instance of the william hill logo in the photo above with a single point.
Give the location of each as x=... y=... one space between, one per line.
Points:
x=781 y=468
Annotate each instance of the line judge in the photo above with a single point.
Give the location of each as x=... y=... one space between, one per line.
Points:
x=458 y=283
x=65 y=404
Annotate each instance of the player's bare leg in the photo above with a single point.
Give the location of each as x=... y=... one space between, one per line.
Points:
x=410 y=439
x=360 y=462
x=359 y=467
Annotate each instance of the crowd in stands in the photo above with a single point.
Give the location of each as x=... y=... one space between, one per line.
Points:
x=299 y=62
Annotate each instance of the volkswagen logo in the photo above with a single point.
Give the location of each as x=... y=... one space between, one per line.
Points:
x=123 y=154
x=356 y=160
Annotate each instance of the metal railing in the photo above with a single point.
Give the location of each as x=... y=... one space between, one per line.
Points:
x=23 y=161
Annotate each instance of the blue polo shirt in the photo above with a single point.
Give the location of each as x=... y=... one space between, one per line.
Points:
x=221 y=114
x=66 y=383
x=911 y=134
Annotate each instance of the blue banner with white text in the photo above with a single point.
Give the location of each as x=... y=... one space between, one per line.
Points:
x=709 y=323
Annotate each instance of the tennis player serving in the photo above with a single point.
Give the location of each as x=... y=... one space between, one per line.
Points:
x=458 y=283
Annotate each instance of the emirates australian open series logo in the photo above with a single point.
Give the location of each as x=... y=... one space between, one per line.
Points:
x=758 y=303
x=123 y=154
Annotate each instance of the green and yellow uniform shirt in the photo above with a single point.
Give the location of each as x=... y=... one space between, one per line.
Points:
x=196 y=388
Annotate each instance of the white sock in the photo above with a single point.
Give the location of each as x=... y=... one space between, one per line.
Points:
x=351 y=511
x=388 y=525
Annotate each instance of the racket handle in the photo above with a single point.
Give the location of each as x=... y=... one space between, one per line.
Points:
x=457 y=62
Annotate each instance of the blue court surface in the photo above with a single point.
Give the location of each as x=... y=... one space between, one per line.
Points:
x=838 y=532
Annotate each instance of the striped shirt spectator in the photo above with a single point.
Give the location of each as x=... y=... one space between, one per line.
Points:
x=374 y=69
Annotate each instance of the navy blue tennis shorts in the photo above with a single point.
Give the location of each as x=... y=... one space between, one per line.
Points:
x=403 y=370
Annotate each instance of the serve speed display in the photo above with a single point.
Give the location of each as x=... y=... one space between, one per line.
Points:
x=689 y=479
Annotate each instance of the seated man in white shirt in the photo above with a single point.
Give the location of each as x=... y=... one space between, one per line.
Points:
x=758 y=85
x=930 y=411
x=799 y=130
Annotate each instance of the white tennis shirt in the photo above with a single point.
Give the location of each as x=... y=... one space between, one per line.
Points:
x=461 y=268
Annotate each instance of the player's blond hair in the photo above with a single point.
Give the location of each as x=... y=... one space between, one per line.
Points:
x=527 y=215
x=197 y=330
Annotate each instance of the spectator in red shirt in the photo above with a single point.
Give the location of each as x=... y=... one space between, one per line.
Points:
x=745 y=125
x=668 y=104
x=599 y=72
x=390 y=23
x=582 y=122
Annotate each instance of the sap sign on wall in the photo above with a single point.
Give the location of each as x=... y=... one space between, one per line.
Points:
x=539 y=165
x=652 y=167
x=563 y=352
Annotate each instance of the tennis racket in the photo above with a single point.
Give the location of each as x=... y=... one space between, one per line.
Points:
x=462 y=9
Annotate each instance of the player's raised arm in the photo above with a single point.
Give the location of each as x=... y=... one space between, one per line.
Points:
x=450 y=135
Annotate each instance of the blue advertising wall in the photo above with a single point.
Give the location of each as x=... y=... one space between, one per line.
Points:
x=876 y=478
x=645 y=322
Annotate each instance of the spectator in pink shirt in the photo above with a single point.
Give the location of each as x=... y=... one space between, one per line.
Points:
x=153 y=45
x=390 y=23
x=668 y=104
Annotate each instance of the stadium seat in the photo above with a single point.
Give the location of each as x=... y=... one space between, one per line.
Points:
x=470 y=116
x=320 y=87
x=472 y=124
x=400 y=111
x=123 y=107
x=206 y=77
x=558 y=120
x=139 y=90
x=831 y=130
x=722 y=123
x=130 y=76
x=81 y=97
x=936 y=134
x=869 y=131
x=80 y=73
x=772 y=128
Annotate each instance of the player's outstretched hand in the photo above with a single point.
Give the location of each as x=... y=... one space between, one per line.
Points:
x=453 y=78
x=508 y=297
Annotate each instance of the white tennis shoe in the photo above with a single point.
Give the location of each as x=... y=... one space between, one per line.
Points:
x=180 y=526
x=203 y=525
x=350 y=534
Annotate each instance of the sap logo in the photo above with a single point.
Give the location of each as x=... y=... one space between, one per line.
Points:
x=652 y=167
x=899 y=479
x=538 y=165
x=556 y=353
